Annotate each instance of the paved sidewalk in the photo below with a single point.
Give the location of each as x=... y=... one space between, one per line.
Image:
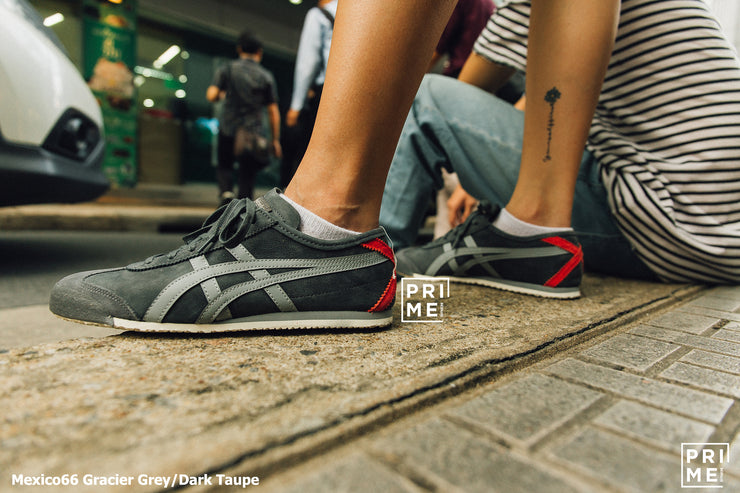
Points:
x=508 y=393
x=499 y=397
x=610 y=416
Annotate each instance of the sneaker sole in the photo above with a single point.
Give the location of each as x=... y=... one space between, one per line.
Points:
x=517 y=287
x=271 y=321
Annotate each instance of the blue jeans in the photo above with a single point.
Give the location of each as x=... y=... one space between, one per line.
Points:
x=464 y=129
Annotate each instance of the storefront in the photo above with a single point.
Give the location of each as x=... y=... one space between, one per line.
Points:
x=150 y=71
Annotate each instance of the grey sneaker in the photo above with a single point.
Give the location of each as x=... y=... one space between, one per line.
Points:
x=247 y=268
x=478 y=253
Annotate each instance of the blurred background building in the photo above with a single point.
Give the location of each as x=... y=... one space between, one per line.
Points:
x=176 y=45
x=162 y=129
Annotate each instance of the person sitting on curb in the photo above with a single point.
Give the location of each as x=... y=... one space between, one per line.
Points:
x=653 y=196
x=314 y=256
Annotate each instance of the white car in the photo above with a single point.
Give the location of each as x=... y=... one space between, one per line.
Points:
x=51 y=128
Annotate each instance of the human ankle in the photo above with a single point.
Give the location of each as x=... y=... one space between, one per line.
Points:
x=316 y=226
x=540 y=213
x=343 y=213
x=512 y=225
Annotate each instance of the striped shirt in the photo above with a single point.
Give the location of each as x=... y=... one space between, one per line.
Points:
x=666 y=132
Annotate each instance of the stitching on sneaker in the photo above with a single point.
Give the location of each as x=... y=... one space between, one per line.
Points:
x=389 y=294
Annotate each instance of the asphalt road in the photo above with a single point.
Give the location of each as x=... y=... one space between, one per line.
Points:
x=32 y=261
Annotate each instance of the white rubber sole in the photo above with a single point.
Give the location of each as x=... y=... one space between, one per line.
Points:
x=272 y=321
x=521 y=288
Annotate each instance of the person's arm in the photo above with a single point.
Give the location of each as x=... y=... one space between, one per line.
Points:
x=213 y=94
x=273 y=115
x=215 y=91
x=521 y=104
x=309 y=60
x=485 y=74
x=459 y=206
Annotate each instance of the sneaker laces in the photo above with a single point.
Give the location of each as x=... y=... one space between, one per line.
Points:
x=456 y=235
x=227 y=226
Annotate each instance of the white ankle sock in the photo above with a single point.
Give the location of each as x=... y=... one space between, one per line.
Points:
x=317 y=226
x=516 y=227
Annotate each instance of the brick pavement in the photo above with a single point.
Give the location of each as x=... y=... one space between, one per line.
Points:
x=607 y=416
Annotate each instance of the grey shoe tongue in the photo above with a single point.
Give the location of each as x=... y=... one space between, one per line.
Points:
x=272 y=202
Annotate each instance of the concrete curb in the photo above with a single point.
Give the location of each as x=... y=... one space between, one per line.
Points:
x=103 y=217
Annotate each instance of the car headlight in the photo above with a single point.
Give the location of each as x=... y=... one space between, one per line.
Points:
x=74 y=136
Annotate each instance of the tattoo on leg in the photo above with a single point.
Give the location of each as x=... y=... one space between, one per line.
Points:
x=551 y=96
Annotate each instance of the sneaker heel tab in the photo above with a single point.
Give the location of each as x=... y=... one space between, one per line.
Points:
x=381 y=247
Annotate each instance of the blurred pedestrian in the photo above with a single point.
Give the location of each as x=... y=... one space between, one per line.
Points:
x=308 y=83
x=247 y=90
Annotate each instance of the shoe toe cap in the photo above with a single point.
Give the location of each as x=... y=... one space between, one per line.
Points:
x=76 y=297
x=406 y=264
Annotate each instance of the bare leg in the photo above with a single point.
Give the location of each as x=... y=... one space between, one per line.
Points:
x=570 y=43
x=380 y=51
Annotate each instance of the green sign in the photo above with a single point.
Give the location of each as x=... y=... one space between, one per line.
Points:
x=109 y=61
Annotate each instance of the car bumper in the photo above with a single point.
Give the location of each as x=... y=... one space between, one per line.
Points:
x=33 y=175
